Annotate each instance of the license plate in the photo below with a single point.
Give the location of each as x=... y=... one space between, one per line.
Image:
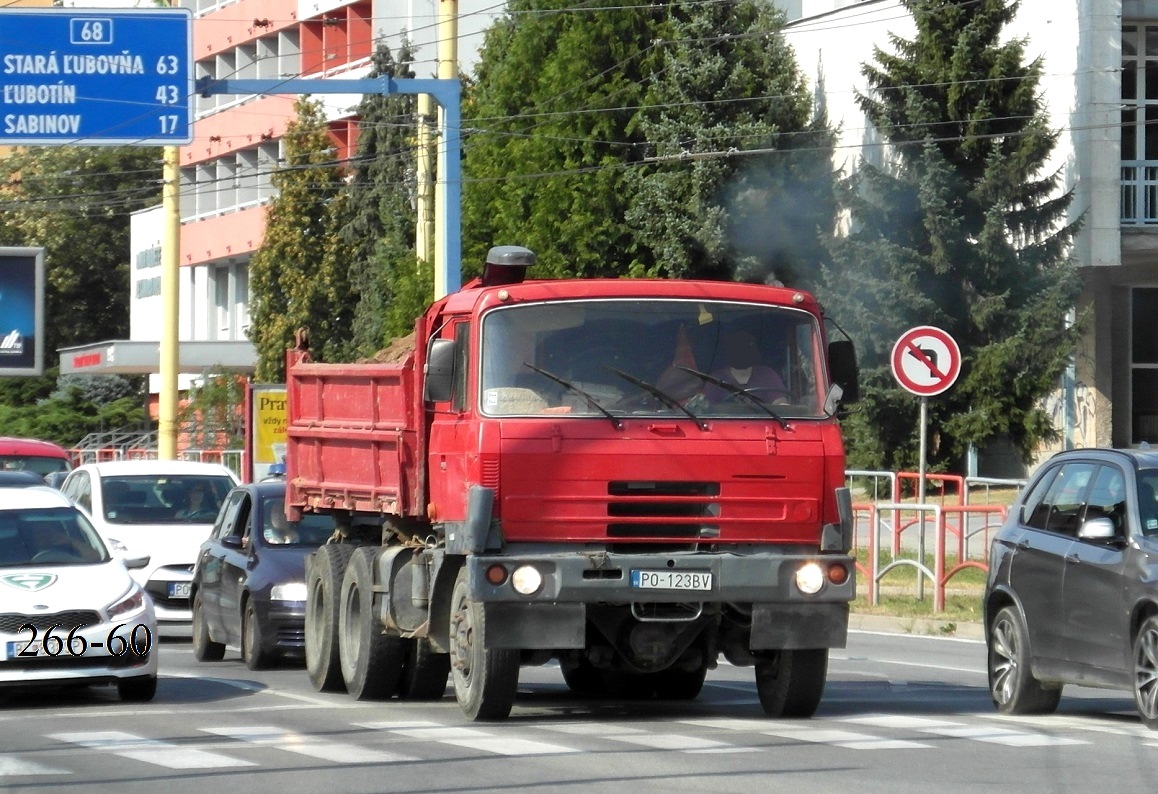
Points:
x=12 y=650
x=179 y=589
x=671 y=580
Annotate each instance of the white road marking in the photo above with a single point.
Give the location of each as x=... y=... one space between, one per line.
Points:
x=150 y=751
x=304 y=744
x=11 y=766
x=475 y=739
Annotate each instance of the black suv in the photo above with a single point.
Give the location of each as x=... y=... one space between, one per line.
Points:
x=1072 y=594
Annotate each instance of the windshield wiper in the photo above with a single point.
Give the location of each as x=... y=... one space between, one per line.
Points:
x=739 y=392
x=662 y=396
x=572 y=387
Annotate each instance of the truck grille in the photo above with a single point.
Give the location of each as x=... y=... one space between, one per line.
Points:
x=647 y=509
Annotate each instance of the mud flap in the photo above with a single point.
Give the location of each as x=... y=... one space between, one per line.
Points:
x=796 y=626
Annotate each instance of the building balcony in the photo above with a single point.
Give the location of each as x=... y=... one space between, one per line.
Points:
x=1139 y=192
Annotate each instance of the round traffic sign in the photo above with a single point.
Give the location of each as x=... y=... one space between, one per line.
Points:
x=926 y=361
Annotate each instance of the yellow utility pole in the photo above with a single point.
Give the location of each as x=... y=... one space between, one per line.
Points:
x=170 y=305
x=447 y=70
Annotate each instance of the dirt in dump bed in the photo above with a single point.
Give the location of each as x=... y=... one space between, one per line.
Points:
x=398 y=349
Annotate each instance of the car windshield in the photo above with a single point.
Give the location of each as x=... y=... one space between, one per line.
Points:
x=313 y=530
x=620 y=358
x=48 y=536
x=163 y=499
x=34 y=463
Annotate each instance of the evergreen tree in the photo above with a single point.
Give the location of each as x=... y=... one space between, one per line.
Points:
x=959 y=229
x=380 y=227
x=550 y=133
x=743 y=187
x=297 y=277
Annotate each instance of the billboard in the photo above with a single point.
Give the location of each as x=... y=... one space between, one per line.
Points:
x=267 y=427
x=21 y=311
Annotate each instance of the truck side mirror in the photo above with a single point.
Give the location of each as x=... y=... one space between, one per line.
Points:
x=842 y=367
x=440 y=357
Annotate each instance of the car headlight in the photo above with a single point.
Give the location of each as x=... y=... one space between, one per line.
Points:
x=116 y=548
x=809 y=578
x=130 y=602
x=291 y=591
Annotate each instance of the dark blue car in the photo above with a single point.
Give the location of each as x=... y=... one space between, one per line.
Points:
x=249 y=583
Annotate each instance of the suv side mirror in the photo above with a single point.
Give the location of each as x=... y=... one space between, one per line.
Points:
x=842 y=366
x=440 y=357
x=1097 y=529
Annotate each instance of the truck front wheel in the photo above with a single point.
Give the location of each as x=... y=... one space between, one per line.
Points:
x=371 y=660
x=791 y=683
x=323 y=581
x=485 y=681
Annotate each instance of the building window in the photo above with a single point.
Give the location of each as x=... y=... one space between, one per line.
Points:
x=337 y=39
x=1143 y=366
x=1139 y=124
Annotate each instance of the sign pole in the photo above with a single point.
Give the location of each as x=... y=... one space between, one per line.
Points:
x=921 y=492
x=926 y=362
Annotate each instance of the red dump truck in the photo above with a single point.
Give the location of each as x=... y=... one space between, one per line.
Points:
x=631 y=477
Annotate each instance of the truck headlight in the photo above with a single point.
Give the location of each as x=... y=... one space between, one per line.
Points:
x=809 y=578
x=526 y=580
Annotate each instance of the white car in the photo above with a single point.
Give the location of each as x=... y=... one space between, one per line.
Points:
x=151 y=508
x=70 y=613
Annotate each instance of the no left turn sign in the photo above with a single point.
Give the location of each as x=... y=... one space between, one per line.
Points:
x=926 y=361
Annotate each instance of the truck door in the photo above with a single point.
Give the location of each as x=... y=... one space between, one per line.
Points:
x=452 y=451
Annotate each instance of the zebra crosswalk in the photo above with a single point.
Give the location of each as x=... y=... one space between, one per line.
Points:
x=224 y=747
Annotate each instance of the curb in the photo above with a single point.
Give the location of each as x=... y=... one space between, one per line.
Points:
x=969 y=630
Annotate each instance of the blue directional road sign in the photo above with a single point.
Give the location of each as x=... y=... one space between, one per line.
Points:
x=96 y=76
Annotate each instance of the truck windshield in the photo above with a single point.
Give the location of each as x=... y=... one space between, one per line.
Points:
x=673 y=358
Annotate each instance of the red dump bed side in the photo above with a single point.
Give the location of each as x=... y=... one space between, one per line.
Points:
x=353 y=437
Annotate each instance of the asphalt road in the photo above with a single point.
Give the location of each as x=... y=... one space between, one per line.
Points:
x=902 y=713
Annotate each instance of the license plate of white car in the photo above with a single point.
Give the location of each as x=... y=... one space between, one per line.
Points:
x=12 y=650
x=179 y=589
x=671 y=580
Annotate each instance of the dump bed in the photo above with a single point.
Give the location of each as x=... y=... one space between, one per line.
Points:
x=353 y=437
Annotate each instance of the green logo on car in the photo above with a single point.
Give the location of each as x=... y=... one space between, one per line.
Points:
x=30 y=582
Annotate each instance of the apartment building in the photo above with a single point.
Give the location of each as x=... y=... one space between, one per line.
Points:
x=226 y=172
x=1101 y=91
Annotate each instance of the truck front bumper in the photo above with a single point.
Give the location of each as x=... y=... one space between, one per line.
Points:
x=761 y=582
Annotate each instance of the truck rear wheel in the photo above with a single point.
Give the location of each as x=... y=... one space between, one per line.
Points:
x=371 y=660
x=424 y=675
x=791 y=683
x=485 y=681
x=679 y=684
x=324 y=571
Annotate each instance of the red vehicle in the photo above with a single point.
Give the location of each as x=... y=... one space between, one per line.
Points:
x=576 y=470
x=28 y=454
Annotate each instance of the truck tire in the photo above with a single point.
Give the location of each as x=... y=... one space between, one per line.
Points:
x=582 y=678
x=791 y=683
x=371 y=660
x=425 y=673
x=485 y=681
x=324 y=573
x=678 y=684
